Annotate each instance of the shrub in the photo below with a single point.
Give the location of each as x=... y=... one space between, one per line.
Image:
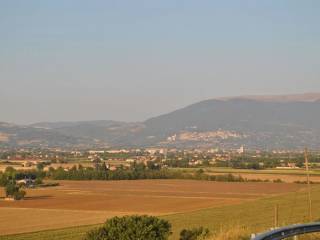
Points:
x=19 y=195
x=12 y=190
x=97 y=234
x=231 y=233
x=194 y=234
x=40 y=166
x=277 y=180
x=38 y=181
x=9 y=169
x=3 y=180
x=132 y=227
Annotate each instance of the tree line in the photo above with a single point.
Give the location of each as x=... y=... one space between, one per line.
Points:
x=137 y=171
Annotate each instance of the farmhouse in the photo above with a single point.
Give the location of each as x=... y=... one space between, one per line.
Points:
x=26 y=181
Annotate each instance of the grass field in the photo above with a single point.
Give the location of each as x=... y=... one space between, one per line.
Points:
x=21 y=220
x=185 y=203
x=255 y=216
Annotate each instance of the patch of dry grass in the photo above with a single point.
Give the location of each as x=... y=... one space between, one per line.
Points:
x=236 y=232
x=21 y=220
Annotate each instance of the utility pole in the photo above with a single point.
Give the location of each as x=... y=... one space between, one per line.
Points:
x=308 y=182
x=276 y=216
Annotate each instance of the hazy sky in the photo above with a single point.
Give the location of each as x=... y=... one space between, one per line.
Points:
x=130 y=60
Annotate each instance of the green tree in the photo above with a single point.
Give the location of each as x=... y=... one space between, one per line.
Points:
x=10 y=170
x=153 y=166
x=19 y=195
x=3 y=179
x=132 y=227
x=12 y=190
x=40 y=166
x=38 y=181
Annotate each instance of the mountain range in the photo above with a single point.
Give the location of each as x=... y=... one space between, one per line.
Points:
x=258 y=122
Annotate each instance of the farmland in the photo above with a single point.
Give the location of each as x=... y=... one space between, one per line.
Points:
x=285 y=175
x=76 y=203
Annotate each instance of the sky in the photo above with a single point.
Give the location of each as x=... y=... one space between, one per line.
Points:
x=132 y=60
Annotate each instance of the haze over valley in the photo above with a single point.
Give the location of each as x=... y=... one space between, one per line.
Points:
x=258 y=122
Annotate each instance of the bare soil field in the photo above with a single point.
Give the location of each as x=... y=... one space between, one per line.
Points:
x=287 y=178
x=15 y=166
x=89 y=202
x=21 y=220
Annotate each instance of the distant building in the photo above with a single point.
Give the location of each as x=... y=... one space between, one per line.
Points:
x=27 y=164
x=129 y=160
x=26 y=182
x=95 y=151
x=118 y=151
x=240 y=150
x=152 y=151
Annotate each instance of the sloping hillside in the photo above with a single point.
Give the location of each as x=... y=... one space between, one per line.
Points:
x=258 y=122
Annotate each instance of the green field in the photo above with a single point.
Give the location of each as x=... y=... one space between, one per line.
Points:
x=256 y=216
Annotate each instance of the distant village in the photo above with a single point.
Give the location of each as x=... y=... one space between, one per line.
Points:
x=163 y=157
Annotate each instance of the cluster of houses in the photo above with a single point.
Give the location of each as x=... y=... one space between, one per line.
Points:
x=114 y=157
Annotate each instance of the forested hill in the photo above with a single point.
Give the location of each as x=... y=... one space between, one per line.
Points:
x=257 y=122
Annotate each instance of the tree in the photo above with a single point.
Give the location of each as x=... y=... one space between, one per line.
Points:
x=10 y=170
x=139 y=167
x=206 y=163
x=132 y=227
x=153 y=166
x=12 y=190
x=38 y=181
x=3 y=179
x=40 y=166
x=19 y=195
x=104 y=167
